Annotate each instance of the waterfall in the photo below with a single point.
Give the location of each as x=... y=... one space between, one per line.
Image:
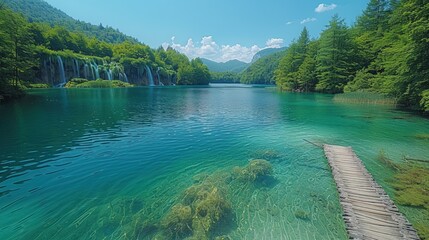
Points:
x=86 y=71
x=125 y=77
x=159 y=79
x=96 y=74
x=108 y=73
x=61 y=72
x=149 y=76
x=76 y=62
x=45 y=75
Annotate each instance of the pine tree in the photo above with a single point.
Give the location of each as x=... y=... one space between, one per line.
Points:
x=336 y=61
x=287 y=73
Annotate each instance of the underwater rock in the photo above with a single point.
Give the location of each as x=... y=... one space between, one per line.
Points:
x=255 y=170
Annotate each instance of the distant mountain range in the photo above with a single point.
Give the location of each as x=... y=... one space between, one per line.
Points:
x=41 y=11
x=234 y=66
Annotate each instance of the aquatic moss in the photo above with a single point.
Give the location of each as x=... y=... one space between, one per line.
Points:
x=202 y=208
x=422 y=136
x=412 y=187
x=209 y=212
x=423 y=229
x=178 y=222
x=385 y=160
x=301 y=214
x=255 y=170
x=268 y=154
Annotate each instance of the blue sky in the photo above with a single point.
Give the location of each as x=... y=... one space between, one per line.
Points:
x=220 y=30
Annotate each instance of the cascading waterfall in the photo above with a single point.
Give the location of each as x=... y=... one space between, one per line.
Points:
x=76 y=62
x=57 y=70
x=159 y=79
x=110 y=74
x=94 y=67
x=149 y=76
x=86 y=71
x=125 y=77
x=61 y=72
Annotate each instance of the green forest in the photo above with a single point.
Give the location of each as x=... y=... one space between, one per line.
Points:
x=386 y=52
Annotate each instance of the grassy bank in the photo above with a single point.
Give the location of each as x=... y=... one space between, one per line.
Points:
x=99 y=83
x=364 y=98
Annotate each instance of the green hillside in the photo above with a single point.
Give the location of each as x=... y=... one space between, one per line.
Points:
x=41 y=11
x=266 y=52
x=262 y=70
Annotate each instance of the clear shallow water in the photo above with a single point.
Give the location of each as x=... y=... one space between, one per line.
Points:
x=98 y=163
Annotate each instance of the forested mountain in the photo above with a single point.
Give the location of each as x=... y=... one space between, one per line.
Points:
x=41 y=11
x=386 y=51
x=262 y=70
x=234 y=66
x=266 y=52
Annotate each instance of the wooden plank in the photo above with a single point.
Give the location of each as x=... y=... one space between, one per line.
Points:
x=368 y=211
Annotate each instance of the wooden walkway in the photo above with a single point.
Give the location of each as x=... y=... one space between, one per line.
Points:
x=368 y=211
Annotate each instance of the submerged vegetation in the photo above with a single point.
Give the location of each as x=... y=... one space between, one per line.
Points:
x=411 y=188
x=385 y=160
x=204 y=210
x=255 y=170
x=205 y=205
x=422 y=136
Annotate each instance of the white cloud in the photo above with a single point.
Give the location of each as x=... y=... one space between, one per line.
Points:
x=274 y=42
x=325 y=7
x=208 y=48
x=289 y=23
x=307 y=20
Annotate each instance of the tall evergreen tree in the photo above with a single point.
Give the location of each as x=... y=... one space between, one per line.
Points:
x=307 y=76
x=413 y=16
x=16 y=48
x=336 y=62
x=286 y=75
x=375 y=16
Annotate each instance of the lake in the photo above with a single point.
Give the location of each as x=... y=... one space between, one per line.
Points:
x=112 y=163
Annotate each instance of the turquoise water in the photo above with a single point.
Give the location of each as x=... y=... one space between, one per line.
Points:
x=107 y=163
